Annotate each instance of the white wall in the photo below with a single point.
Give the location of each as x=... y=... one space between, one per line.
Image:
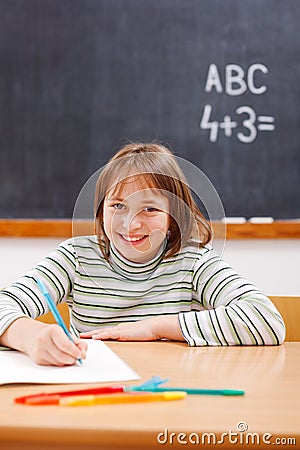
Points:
x=273 y=265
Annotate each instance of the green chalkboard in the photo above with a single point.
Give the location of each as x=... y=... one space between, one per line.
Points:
x=217 y=81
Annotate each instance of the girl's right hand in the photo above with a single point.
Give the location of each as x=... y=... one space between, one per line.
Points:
x=51 y=346
x=45 y=344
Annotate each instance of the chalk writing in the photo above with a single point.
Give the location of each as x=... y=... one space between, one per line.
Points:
x=237 y=82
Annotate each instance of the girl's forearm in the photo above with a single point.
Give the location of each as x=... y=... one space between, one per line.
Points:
x=152 y=329
x=167 y=327
x=20 y=334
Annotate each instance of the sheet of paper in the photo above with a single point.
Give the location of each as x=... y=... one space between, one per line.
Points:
x=100 y=365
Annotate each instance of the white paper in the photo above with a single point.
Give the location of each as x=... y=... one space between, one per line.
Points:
x=101 y=365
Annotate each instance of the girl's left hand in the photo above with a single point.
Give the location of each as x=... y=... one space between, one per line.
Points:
x=144 y=330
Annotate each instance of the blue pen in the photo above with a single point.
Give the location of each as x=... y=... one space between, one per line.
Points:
x=55 y=311
x=153 y=385
x=228 y=392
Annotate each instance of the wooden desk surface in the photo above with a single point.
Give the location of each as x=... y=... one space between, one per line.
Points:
x=269 y=375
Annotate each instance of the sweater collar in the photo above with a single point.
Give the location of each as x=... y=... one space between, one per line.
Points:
x=134 y=270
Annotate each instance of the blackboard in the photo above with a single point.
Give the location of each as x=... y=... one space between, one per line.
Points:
x=216 y=80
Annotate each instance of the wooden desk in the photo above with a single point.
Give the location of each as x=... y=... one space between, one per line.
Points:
x=269 y=375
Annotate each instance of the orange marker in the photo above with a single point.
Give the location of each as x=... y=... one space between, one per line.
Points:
x=90 y=400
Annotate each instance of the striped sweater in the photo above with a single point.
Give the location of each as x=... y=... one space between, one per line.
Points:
x=214 y=304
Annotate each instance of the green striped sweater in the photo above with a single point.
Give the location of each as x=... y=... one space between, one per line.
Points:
x=215 y=305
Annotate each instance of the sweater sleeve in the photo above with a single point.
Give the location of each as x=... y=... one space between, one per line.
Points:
x=233 y=311
x=23 y=298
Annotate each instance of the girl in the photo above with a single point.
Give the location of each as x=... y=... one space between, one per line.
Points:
x=148 y=274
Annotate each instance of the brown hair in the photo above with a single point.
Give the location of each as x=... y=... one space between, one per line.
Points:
x=156 y=167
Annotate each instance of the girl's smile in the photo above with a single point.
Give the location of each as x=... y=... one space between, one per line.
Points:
x=136 y=220
x=134 y=240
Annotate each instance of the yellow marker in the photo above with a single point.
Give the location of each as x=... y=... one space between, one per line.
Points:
x=89 y=400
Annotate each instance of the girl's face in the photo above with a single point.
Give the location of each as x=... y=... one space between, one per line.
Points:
x=136 y=220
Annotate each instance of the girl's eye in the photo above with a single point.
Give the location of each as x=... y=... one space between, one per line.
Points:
x=118 y=206
x=150 y=209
